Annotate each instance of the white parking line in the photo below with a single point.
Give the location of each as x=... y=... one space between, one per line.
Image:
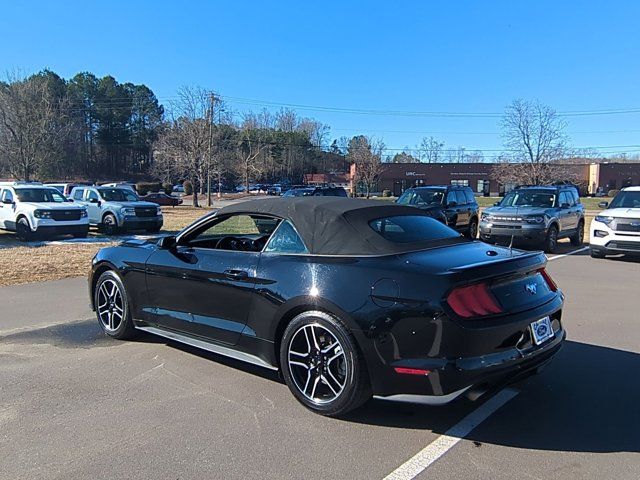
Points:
x=567 y=254
x=441 y=445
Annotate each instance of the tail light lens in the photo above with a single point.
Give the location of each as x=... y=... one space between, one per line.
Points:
x=473 y=301
x=547 y=278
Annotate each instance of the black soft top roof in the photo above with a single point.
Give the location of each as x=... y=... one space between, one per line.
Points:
x=337 y=225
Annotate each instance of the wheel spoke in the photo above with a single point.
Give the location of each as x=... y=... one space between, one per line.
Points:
x=315 y=385
x=337 y=355
x=326 y=382
x=315 y=340
x=299 y=364
x=298 y=354
x=326 y=349
x=306 y=384
x=340 y=385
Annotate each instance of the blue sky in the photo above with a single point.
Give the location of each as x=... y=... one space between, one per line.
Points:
x=403 y=56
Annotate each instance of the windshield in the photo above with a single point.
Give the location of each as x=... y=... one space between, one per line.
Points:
x=40 y=195
x=421 y=197
x=412 y=228
x=118 y=195
x=530 y=198
x=298 y=192
x=626 y=199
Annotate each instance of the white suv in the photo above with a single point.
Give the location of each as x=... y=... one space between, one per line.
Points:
x=617 y=229
x=32 y=208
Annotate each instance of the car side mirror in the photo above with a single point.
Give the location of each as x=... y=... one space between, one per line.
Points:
x=603 y=204
x=167 y=243
x=452 y=204
x=94 y=200
x=7 y=201
x=565 y=205
x=496 y=204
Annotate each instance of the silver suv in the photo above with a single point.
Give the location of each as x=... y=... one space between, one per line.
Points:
x=112 y=209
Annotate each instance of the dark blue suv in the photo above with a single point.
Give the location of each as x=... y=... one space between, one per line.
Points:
x=453 y=205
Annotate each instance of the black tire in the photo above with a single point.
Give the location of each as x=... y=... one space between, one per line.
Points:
x=578 y=237
x=551 y=242
x=109 y=224
x=121 y=328
x=596 y=253
x=472 y=231
x=349 y=367
x=23 y=230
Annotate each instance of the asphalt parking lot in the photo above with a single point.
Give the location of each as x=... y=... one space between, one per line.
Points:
x=75 y=404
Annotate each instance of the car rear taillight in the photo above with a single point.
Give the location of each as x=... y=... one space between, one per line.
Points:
x=547 y=278
x=473 y=301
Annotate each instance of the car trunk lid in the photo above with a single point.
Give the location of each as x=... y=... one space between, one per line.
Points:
x=515 y=279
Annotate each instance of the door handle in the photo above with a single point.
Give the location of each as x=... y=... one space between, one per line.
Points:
x=236 y=274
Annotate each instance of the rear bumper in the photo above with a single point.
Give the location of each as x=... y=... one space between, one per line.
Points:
x=460 y=358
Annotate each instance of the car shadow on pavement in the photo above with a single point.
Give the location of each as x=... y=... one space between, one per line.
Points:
x=586 y=400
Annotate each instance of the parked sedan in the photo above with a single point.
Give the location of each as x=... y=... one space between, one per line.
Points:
x=346 y=298
x=162 y=199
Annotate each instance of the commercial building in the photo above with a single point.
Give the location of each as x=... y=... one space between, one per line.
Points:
x=397 y=177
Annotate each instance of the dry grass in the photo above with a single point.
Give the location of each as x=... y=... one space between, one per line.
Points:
x=39 y=261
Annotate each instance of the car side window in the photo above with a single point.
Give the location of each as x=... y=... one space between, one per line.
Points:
x=92 y=195
x=235 y=232
x=563 y=199
x=576 y=197
x=78 y=193
x=460 y=197
x=469 y=196
x=286 y=240
x=451 y=197
x=7 y=195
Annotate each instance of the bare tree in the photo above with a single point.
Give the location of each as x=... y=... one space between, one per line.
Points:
x=455 y=155
x=366 y=154
x=187 y=139
x=430 y=150
x=535 y=139
x=33 y=125
x=475 y=156
x=251 y=145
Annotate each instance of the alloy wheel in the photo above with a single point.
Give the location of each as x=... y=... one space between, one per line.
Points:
x=317 y=363
x=110 y=305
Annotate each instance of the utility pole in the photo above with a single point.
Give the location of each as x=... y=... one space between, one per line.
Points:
x=211 y=103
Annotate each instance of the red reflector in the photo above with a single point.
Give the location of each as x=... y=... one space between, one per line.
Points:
x=473 y=301
x=411 y=371
x=547 y=278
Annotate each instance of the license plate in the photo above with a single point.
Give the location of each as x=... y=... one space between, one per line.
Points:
x=541 y=330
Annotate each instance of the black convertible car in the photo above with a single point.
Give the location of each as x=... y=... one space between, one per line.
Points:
x=347 y=298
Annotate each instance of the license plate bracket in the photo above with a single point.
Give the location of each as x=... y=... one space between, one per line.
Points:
x=541 y=330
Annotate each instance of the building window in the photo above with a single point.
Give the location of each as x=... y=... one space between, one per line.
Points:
x=483 y=186
x=460 y=183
